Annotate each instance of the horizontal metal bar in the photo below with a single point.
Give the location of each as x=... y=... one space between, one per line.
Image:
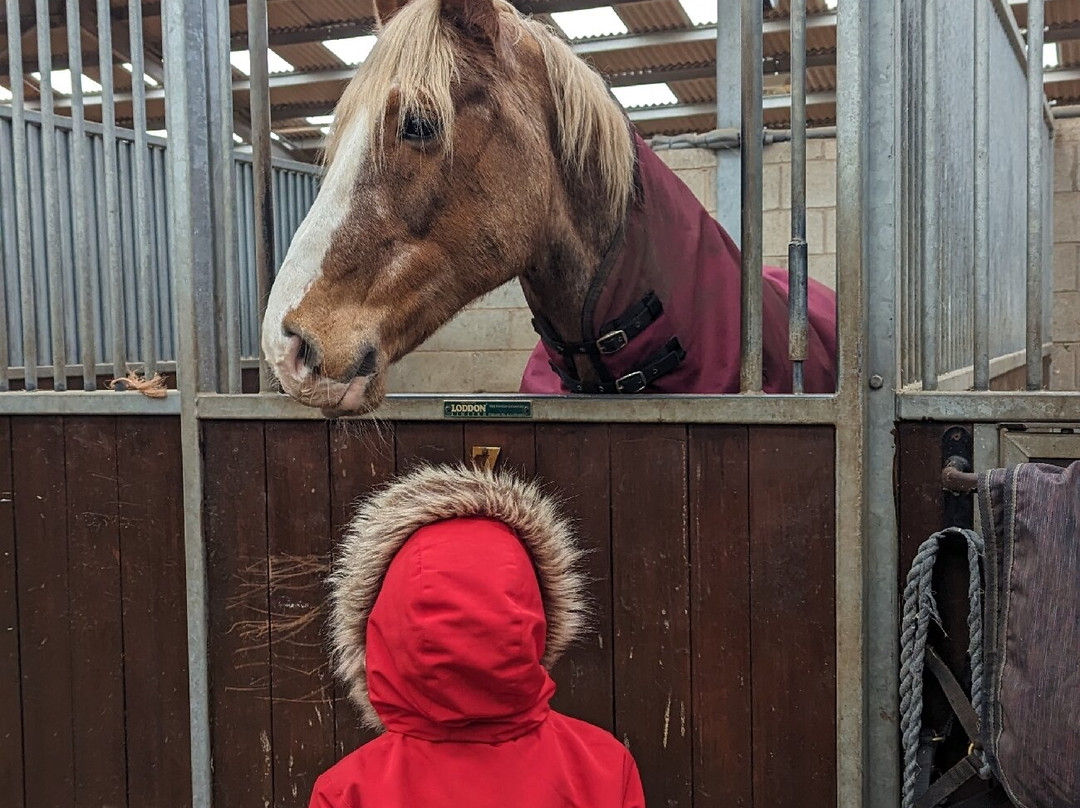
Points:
x=988 y=406
x=79 y=402
x=722 y=139
x=729 y=409
x=686 y=110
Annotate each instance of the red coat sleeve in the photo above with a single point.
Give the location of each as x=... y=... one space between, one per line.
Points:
x=633 y=796
x=323 y=796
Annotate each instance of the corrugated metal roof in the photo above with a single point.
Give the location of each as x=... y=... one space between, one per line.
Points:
x=692 y=84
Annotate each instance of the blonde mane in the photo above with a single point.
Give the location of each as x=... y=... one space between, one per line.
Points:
x=416 y=55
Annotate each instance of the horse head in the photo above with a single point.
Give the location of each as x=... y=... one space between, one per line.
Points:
x=471 y=147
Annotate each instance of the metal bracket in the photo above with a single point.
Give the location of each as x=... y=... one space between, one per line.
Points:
x=957 y=480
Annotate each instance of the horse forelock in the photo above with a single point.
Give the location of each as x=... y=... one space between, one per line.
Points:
x=417 y=56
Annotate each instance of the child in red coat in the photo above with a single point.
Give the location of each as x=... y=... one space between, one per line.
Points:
x=456 y=592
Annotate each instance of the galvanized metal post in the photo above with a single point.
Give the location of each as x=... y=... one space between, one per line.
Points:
x=931 y=274
x=22 y=195
x=729 y=47
x=222 y=171
x=147 y=296
x=981 y=236
x=111 y=214
x=187 y=78
x=79 y=194
x=752 y=132
x=9 y=258
x=1035 y=136
x=797 y=258
x=870 y=42
x=52 y=199
x=260 y=147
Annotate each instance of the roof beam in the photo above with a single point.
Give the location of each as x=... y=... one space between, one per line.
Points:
x=314 y=33
x=705 y=33
x=651 y=114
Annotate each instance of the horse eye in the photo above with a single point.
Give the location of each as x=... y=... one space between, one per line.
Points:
x=419 y=130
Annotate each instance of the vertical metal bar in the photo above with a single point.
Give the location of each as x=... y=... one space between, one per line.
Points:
x=260 y=148
x=9 y=257
x=279 y=219
x=148 y=322
x=1035 y=135
x=37 y=238
x=129 y=261
x=865 y=240
x=797 y=259
x=186 y=49
x=22 y=194
x=981 y=245
x=251 y=297
x=67 y=246
x=729 y=47
x=112 y=196
x=222 y=166
x=99 y=243
x=80 y=164
x=752 y=136
x=52 y=200
x=163 y=296
x=931 y=275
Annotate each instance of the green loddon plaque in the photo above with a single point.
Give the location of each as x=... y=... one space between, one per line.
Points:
x=480 y=408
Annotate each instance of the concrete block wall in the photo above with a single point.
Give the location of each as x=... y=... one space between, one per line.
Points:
x=1065 y=360
x=484 y=349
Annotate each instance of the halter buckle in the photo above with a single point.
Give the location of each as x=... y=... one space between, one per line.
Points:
x=631 y=383
x=612 y=341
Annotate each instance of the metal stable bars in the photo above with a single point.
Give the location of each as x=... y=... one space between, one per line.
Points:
x=144 y=305
x=978 y=316
x=1035 y=183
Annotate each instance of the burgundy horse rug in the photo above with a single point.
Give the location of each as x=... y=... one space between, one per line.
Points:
x=663 y=312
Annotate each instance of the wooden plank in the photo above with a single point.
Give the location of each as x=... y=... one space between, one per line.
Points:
x=11 y=743
x=793 y=615
x=44 y=642
x=97 y=640
x=234 y=491
x=720 y=614
x=155 y=627
x=359 y=463
x=650 y=575
x=299 y=533
x=573 y=460
x=429 y=442
x=516 y=442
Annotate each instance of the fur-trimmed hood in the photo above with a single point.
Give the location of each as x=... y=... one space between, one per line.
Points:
x=387 y=520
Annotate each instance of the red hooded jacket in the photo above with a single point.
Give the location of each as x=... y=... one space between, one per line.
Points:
x=456 y=592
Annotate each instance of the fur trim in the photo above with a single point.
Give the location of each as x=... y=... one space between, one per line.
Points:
x=386 y=520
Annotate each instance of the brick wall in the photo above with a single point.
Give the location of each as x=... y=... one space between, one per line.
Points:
x=484 y=349
x=1065 y=360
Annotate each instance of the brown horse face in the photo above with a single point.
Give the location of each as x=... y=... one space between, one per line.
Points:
x=420 y=212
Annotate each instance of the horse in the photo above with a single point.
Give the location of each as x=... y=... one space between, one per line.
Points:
x=474 y=147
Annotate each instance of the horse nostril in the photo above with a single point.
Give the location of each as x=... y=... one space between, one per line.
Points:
x=308 y=353
x=369 y=363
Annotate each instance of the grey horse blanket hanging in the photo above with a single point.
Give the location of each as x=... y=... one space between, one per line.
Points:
x=1022 y=718
x=1031 y=719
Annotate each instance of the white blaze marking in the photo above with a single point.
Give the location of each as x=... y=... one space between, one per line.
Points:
x=303 y=263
